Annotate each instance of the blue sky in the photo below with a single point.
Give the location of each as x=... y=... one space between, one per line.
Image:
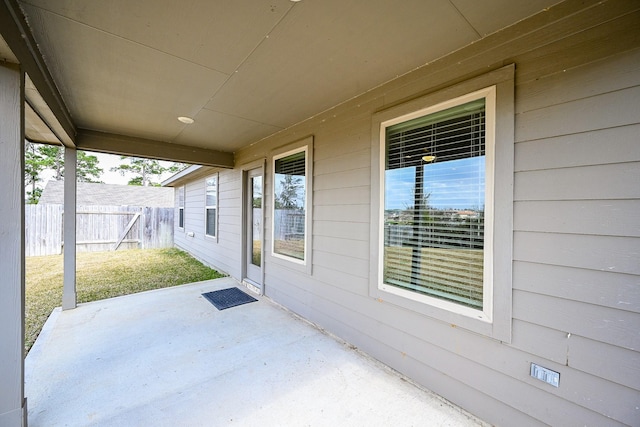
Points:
x=452 y=184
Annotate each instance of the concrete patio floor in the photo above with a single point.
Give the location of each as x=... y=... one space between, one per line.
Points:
x=169 y=357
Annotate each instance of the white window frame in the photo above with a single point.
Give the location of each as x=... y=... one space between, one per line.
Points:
x=494 y=319
x=306 y=146
x=485 y=315
x=182 y=191
x=207 y=207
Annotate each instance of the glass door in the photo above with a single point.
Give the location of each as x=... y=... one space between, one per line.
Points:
x=254 y=227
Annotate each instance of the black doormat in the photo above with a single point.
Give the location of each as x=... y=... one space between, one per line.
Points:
x=227 y=298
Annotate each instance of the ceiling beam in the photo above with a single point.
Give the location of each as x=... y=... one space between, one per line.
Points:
x=139 y=147
x=16 y=33
x=36 y=128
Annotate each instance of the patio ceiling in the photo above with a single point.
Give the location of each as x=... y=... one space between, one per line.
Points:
x=243 y=69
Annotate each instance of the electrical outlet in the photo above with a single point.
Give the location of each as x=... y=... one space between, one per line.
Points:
x=546 y=375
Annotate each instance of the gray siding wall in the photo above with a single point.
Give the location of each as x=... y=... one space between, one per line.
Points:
x=576 y=256
x=223 y=253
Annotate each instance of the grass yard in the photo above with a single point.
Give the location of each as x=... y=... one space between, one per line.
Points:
x=101 y=275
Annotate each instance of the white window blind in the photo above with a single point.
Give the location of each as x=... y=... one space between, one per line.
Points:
x=289 y=217
x=435 y=204
x=181 y=207
x=211 y=205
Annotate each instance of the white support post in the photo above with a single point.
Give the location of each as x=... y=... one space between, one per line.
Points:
x=13 y=406
x=69 y=285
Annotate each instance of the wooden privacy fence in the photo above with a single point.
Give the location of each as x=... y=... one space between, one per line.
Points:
x=98 y=228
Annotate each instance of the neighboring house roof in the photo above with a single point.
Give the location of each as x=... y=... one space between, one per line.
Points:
x=88 y=194
x=188 y=174
x=174 y=179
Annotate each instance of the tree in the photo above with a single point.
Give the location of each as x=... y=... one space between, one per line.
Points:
x=87 y=169
x=40 y=158
x=145 y=171
x=34 y=165
x=288 y=196
x=54 y=159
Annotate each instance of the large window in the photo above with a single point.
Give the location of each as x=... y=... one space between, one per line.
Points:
x=181 y=207
x=443 y=204
x=290 y=200
x=435 y=202
x=211 y=206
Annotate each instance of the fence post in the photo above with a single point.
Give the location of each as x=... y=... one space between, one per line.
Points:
x=142 y=226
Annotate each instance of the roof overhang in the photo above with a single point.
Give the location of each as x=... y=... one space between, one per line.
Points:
x=188 y=174
x=115 y=76
x=46 y=115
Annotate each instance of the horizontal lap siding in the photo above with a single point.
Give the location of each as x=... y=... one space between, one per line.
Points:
x=604 y=288
x=596 y=112
x=602 y=253
x=341 y=192
x=620 y=365
x=576 y=287
x=611 y=326
x=501 y=370
x=342 y=189
x=576 y=229
x=560 y=151
x=596 y=217
x=222 y=253
x=600 y=182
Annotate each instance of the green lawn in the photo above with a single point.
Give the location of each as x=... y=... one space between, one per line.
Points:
x=101 y=275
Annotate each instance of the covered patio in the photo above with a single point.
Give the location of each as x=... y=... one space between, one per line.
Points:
x=248 y=91
x=169 y=357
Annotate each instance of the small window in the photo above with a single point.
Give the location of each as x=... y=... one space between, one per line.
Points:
x=290 y=200
x=211 y=206
x=181 y=207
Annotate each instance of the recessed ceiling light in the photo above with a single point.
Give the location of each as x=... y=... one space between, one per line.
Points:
x=185 y=120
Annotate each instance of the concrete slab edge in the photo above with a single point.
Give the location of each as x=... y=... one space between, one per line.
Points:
x=43 y=336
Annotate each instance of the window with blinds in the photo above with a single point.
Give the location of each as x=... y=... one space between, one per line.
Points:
x=290 y=192
x=181 y=207
x=211 y=206
x=434 y=204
